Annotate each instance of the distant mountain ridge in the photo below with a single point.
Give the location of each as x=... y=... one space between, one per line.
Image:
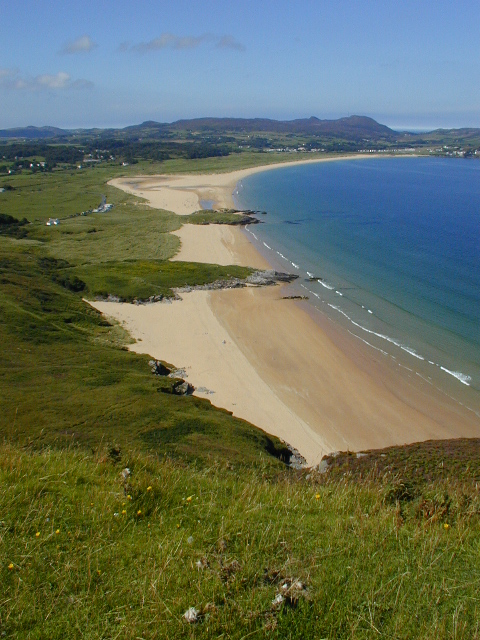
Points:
x=353 y=127
x=33 y=133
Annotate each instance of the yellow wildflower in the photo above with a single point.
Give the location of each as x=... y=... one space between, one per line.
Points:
x=37 y=535
x=189 y=499
x=139 y=512
x=149 y=488
x=317 y=496
x=129 y=497
x=57 y=532
x=124 y=511
x=446 y=526
x=10 y=566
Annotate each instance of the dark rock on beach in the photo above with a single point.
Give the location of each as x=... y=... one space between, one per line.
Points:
x=179 y=388
x=182 y=388
x=158 y=368
x=258 y=278
x=270 y=277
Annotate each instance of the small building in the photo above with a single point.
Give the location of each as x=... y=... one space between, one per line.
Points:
x=52 y=222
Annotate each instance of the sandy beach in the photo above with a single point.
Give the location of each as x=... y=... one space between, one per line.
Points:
x=217 y=244
x=182 y=193
x=272 y=361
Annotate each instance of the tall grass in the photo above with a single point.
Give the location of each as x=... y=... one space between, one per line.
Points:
x=89 y=555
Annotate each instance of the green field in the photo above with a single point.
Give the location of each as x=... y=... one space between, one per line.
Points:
x=385 y=545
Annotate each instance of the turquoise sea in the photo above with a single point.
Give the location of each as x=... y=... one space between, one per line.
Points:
x=388 y=247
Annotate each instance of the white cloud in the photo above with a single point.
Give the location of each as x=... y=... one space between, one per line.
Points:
x=11 y=79
x=168 y=40
x=171 y=41
x=84 y=44
x=47 y=81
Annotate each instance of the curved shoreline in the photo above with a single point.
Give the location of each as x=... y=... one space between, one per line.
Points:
x=324 y=390
x=182 y=193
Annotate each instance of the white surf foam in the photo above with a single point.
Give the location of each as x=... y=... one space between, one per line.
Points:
x=398 y=344
x=324 y=284
x=464 y=379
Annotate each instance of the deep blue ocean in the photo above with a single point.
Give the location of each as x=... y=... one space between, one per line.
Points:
x=390 y=248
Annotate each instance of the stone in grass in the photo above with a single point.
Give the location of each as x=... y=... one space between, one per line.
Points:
x=278 y=600
x=201 y=564
x=191 y=615
x=291 y=590
x=125 y=474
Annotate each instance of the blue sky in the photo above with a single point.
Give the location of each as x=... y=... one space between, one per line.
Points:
x=407 y=64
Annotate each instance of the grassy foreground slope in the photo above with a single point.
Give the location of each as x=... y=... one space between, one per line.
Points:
x=209 y=518
x=254 y=551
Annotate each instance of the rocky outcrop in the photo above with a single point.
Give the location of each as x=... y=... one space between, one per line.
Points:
x=158 y=368
x=270 y=277
x=182 y=388
x=258 y=278
x=179 y=387
x=265 y=278
x=296 y=460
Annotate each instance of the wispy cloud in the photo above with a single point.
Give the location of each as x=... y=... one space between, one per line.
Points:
x=229 y=42
x=84 y=44
x=11 y=79
x=123 y=47
x=171 y=41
